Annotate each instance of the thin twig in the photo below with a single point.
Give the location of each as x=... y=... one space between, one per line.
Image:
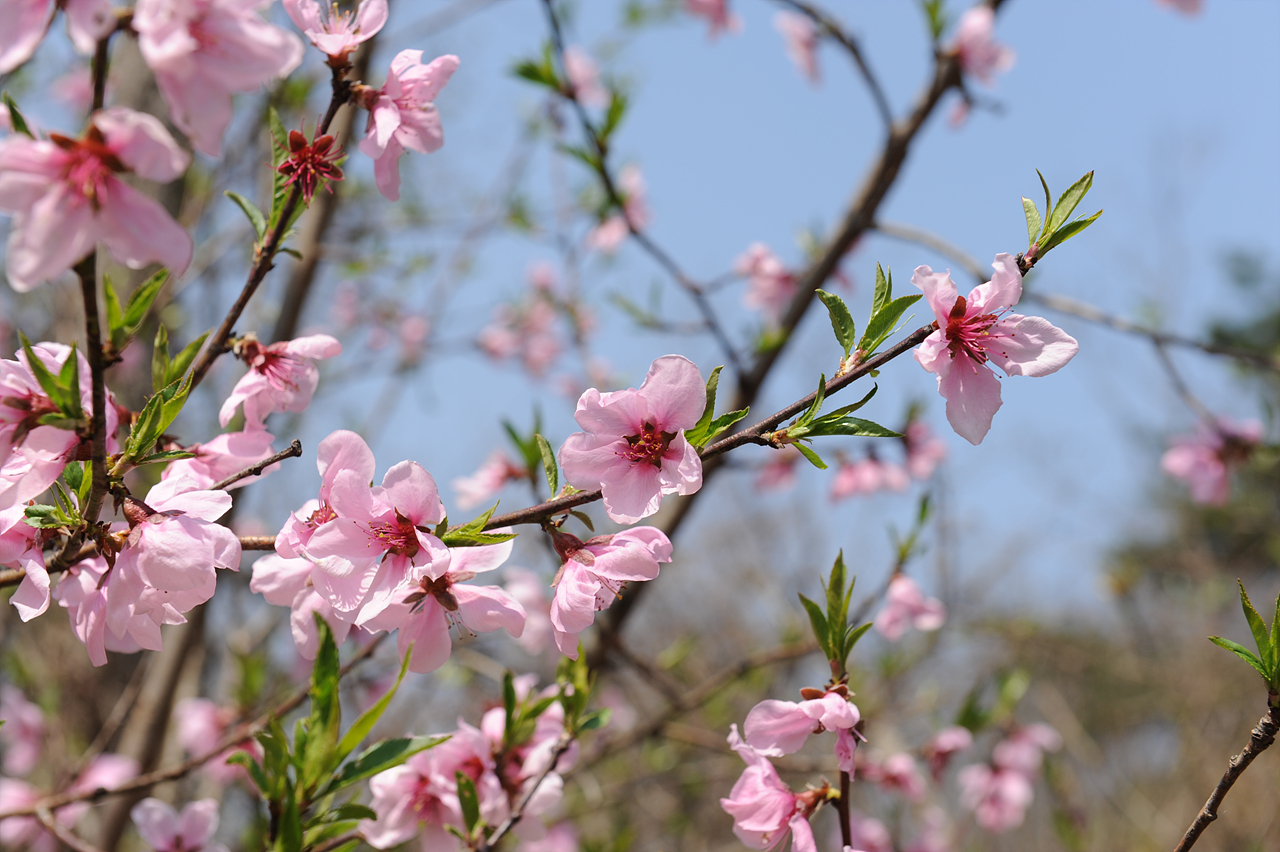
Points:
x=517 y=812
x=294 y=451
x=86 y=269
x=1260 y=738
x=64 y=834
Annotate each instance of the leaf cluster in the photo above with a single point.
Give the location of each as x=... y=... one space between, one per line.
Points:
x=1267 y=661
x=836 y=635
x=63 y=389
x=1053 y=229
x=123 y=323
x=471 y=534
x=709 y=427
x=839 y=422
x=886 y=312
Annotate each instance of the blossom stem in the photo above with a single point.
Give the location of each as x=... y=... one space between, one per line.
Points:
x=1261 y=738
x=842 y=811
x=64 y=834
x=517 y=812
x=86 y=269
x=294 y=451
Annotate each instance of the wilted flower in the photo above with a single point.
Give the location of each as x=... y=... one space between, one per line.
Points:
x=309 y=164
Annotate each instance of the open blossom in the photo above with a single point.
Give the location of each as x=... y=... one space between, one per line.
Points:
x=770 y=285
x=203 y=50
x=336 y=32
x=22 y=732
x=339 y=451
x=977 y=329
x=310 y=163
x=1204 y=460
x=607 y=236
x=999 y=794
x=898 y=772
x=584 y=78
x=980 y=54
x=764 y=810
x=801 y=38
x=224 y=456
x=287 y=582
x=483 y=485
x=634 y=448
x=867 y=476
x=944 y=745
x=717 y=14
x=26 y=21
x=775 y=728
x=166 y=830
x=594 y=571
x=404 y=117
x=281 y=377
x=905 y=606
x=20 y=547
x=66 y=197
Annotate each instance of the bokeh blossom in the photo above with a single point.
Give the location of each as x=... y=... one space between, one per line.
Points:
x=1205 y=460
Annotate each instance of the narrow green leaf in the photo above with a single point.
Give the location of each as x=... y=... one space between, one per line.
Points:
x=816 y=405
x=69 y=378
x=279 y=150
x=256 y=219
x=595 y=719
x=584 y=518
x=166 y=456
x=115 y=317
x=453 y=538
x=290 y=824
x=883 y=322
x=1048 y=202
x=243 y=758
x=1243 y=653
x=549 y=467
x=379 y=758
x=1258 y=628
x=839 y=425
x=1067 y=231
x=160 y=359
x=700 y=433
x=883 y=291
x=16 y=119
x=1067 y=202
x=469 y=802
x=723 y=422
x=813 y=458
x=179 y=365
x=366 y=720
x=818 y=621
x=587 y=157
x=841 y=320
x=849 y=409
x=141 y=300
x=835 y=593
x=1033 y=220
x=612 y=118
x=852 y=635
x=56 y=392
x=351 y=811
x=1275 y=642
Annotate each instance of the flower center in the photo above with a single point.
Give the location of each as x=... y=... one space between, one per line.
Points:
x=649 y=446
x=399 y=537
x=89 y=165
x=969 y=336
x=282 y=370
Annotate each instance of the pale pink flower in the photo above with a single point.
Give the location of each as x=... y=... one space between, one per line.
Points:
x=898 y=772
x=977 y=329
x=780 y=471
x=201 y=51
x=67 y=198
x=905 y=606
x=1023 y=750
x=413 y=331
x=199 y=725
x=225 y=455
x=339 y=451
x=404 y=115
x=336 y=32
x=20 y=547
x=801 y=38
x=946 y=743
x=593 y=572
x=999 y=798
x=867 y=476
x=924 y=449
x=980 y=54
x=634 y=448
x=584 y=78
x=717 y=14
x=26 y=22
x=561 y=837
x=525 y=329
x=770 y=285
x=531 y=592
x=22 y=732
x=933 y=836
x=287 y=582
x=607 y=236
x=776 y=728
x=281 y=377
x=483 y=485
x=165 y=830
x=765 y=811
x=869 y=835
x=104 y=772
x=1205 y=460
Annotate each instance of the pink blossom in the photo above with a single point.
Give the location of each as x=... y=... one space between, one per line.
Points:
x=898 y=772
x=764 y=810
x=22 y=732
x=867 y=476
x=933 y=836
x=525 y=329
x=801 y=38
x=201 y=51
x=104 y=772
x=780 y=471
x=530 y=591
x=201 y=724
x=775 y=728
x=869 y=834
x=67 y=198
x=1205 y=460
x=1186 y=7
x=281 y=377
x=287 y=582
x=26 y=22
x=413 y=331
x=1023 y=750
x=980 y=54
x=424 y=605
x=924 y=450
x=717 y=14
x=607 y=236
x=483 y=485
x=634 y=448
x=20 y=547
x=999 y=798
x=224 y=456
x=165 y=830
x=584 y=78
x=335 y=32
x=561 y=837
x=593 y=573
x=946 y=743
x=770 y=286
x=339 y=451
x=974 y=330
x=905 y=606
x=404 y=115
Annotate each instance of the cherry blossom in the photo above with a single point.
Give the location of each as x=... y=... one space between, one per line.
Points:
x=770 y=285
x=999 y=798
x=584 y=78
x=20 y=547
x=779 y=472
x=980 y=54
x=867 y=476
x=220 y=458
x=402 y=115
x=801 y=38
x=339 y=451
x=869 y=835
x=22 y=732
x=281 y=377
x=977 y=329
x=201 y=51
x=199 y=724
x=765 y=811
x=26 y=22
x=607 y=236
x=776 y=728
x=287 y=582
x=717 y=14
x=945 y=744
x=898 y=772
x=593 y=573
x=483 y=485
x=634 y=448
x=104 y=772
x=165 y=830
x=905 y=606
x=66 y=198
x=335 y=32
x=1205 y=460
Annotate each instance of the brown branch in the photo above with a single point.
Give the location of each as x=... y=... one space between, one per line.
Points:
x=294 y=451
x=64 y=834
x=86 y=269
x=517 y=812
x=1262 y=736
x=257 y=542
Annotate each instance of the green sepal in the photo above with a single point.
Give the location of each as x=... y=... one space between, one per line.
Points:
x=842 y=323
x=548 y=458
x=813 y=458
x=256 y=219
x=16 y=119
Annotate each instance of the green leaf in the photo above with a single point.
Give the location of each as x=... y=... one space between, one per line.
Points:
x=1259 y=630
x=16 y=120
x=243 y=758
x=160 y=359
x=723 y=422
x=589 y=158
x=290 y=824
x=156 y=416
x=59 y=394
x=813 y=457
x=469 y=802
x=141 y=300
x=584 y=518
x=69 y=378
x=318 y=754
x=612 y=118
x=595 y=719
x=115 y=317
x=1066 y=232
x=851 y=637
x=1067 y=202
x=835 y=592
x=548 y=457
x=883 y=321
x=700 y=433
x=379 y=758
x=841 y=320
x=849 y=409
x=453 y=538
x=1048 y=201
x=350 y=811
x=818 y=621
x=816 y=406
x=1243 y=653
x=833 y=424
x=166 y=456
x=256 y=219
x=1033 y=220
x=178 y=366
x=883 y=291
x=1275 y=644
x=365 y=722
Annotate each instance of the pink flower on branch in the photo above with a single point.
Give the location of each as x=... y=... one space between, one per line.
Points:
x=403 y=116
x=282 y=377
x=924 y=450
x=609 y=235
x=906 y=606
x=66 y=198
x=1205 y=460
x=483 y=485
x=584 y=78
x=222 y=457
x=980 y=54
x=770 y=285
x=717 y=14
x=22 y=732
x=335 y=32
x=765 y=811
x=801 y=38
x=166 y=830
x=593 y=573
x=634 y=448
x=776 y=728
x=21 y=547
x=202 y=51
x=27 y=21
x=977 y=329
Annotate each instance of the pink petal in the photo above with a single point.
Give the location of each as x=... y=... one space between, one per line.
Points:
x=141 y=142
x=314 y=346
x=413 y=492
x=1030 y=346
x=137 y=230
x=429 y=636
x=386 y=170
x=24 y=27
x=636 y=495
x=371 y=17
x=198 y=822
x=47 y=240
x=972 y=392
x=939 y=291
x=675 y=392
x=776 y=728
x=1002 y=291
x=157 y=822
x=345 y=450
x=488 y=608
